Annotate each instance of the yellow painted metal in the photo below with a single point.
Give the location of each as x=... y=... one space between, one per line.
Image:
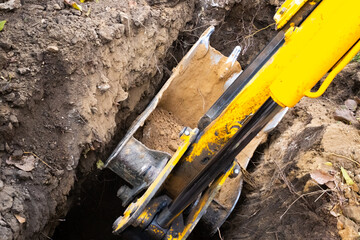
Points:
x=204 y=202
x=339 y=66
x=287 y=10
x=135 y=209
x=312 y=49
x=308 y=53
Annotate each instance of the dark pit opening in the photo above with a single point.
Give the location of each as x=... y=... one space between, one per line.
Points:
x=95 y=208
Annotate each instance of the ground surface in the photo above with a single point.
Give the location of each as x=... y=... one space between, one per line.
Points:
x=71 y=84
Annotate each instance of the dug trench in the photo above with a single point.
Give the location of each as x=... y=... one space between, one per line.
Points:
x=72 y=84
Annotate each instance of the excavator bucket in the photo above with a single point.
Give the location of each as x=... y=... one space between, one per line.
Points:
x=196 y=83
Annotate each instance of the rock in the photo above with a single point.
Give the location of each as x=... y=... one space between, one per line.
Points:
x=56 y=6
x=9 y=190
x=10 y=5
x=13 y=119
x=22 y=175
x=7 y=172
x=17 y=153
x=351 y=104
x=12 y=221
x=93 y=110
x=347 y=228
x=352 y=212
x=104 y=87
x=346 y=116
x=7 y=148
x=23 y=70
x=52 y=49
x=357 y=178
x=5 y=233
x=52 y=146
x=6 y=201
x=20 y=101
x=10 y=97
x=1 y=185
x=106 y=34
x=18 y=206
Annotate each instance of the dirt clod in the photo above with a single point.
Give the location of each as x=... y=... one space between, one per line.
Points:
x=161 y=131
x=346 y=116
x=351 y=104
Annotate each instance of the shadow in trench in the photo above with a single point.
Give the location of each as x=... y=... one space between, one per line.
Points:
x=94 y=211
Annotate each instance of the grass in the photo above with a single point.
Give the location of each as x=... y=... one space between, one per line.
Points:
x=356 y=58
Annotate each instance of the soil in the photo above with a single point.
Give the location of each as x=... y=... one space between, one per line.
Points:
x=68 y=83
x=198 y=84
x=161 y=131
x=288 y=202
x=71 y=83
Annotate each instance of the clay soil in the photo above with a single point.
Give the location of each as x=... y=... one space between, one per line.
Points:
x=71 y=83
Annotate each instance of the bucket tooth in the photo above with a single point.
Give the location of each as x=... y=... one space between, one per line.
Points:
x=234 y=55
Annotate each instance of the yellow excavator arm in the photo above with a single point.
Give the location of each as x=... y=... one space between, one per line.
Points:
x=315 y=40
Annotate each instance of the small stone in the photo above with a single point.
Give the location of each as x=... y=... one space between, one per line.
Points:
x=13 y=119
x=7 y=172
x=5 y=233
x=346 y=116
x=352 y=212
x=17 y=153
x=104 y=87
x=52 y=146
x=357 y=178
x=75 y=12
x=1 y=185
x=12 y=221
x=52 y=48
x=22 y=175
x=56 y=6
x=162 y=133
x=106 y=34
x=174 y=136
x=10 y=5
x=6 y=201
x=7 y=148
x=9 y=190
x=351 y=104
x=93 y=110
x=173 y=146
x=10 y=97
x=23 y=70
x=18 y=206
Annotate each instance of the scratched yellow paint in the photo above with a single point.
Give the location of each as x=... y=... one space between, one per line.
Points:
x=307 y=55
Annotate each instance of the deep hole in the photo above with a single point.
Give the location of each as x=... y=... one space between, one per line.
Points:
x=94 y=210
